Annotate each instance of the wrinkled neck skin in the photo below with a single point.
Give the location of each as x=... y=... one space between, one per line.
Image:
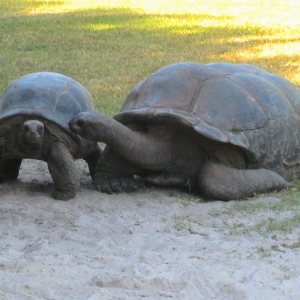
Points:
x=150 y=149
x=147 y=149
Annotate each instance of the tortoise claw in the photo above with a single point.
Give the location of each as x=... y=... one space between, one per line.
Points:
x=116 y=185
x=103 y=186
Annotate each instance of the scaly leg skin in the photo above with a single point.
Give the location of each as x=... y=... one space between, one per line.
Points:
x=9 y=169
x=92 y=160
x=114 y=174
x=222 y=182
x=63 y=171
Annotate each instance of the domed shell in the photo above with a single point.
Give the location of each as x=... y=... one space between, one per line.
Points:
x=44 y=95
x=238 y=104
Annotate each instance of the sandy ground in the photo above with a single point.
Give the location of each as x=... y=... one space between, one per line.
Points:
x=151 y=244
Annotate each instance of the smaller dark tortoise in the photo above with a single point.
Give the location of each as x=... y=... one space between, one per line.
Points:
x=34 y=114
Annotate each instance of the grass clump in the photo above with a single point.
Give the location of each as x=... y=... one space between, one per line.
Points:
x=182 y=223
x=272 y=225
x=185 y=199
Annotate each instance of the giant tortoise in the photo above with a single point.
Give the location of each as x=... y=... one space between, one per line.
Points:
x=229 y=130
x=34 y=114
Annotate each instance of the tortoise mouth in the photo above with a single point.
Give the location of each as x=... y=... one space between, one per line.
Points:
x=33 y=138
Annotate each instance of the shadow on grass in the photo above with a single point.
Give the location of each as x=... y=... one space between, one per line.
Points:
x=110 y=50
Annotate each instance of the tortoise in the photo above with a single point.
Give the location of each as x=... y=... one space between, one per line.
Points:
x=34 y=114
x=226 y=130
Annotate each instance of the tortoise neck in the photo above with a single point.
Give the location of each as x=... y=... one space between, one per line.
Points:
x=137 y=147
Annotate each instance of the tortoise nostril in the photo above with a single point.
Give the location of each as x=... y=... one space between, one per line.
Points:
x=26 y=127
x=80 y=123
x=40 y=129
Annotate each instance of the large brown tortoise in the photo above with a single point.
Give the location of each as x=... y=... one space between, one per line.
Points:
x=34 y=114
x=229 y=130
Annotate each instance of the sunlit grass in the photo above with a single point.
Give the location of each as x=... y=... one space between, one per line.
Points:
x=110 y=45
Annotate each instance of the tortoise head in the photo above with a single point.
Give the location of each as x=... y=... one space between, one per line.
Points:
x=91 y=125
x=32 y=133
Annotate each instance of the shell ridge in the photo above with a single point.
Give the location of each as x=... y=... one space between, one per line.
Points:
x=283 y=91
x=60 y=93
x=244 y=143
x=248 y=92
x=286 y=143
x=195 y=97
x=187 y=74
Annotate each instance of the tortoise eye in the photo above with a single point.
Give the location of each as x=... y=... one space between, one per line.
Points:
x=80 y=123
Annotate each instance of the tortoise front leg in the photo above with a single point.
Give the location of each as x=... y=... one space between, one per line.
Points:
x=9 y=169
x=114 y=174
x=222 y=182
x=92 y=160
x=63 y=170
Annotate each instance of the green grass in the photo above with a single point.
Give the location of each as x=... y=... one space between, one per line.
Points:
x=181 y=223
x=267 y=227
x=109 y=46
x=185 y=199
x=272 y=225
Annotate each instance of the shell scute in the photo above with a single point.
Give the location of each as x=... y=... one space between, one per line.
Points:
x=225 y=105
x=268 y=95
x=169 y=91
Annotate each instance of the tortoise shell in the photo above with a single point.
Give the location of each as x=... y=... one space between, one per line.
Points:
x=238 y=104
x=46 y=96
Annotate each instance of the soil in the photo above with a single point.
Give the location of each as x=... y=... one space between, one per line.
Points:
x=155 y=243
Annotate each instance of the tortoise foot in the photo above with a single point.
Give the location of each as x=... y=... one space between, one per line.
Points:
x=63 y=195
x=116 y=185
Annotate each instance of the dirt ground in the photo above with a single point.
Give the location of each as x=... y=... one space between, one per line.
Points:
x=151 y=244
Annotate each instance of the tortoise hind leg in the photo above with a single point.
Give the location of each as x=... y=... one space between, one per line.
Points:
x=222 y=182
x=63 y=171
x=9 y=169
x=92 y=160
